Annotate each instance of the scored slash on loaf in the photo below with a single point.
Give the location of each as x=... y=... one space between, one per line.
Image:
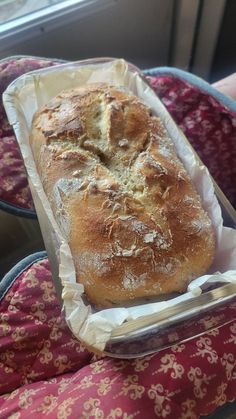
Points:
x=120 y=195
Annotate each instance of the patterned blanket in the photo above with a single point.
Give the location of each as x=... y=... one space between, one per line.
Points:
x=45 y=372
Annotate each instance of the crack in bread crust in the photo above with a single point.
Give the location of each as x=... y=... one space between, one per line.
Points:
x=121 y=196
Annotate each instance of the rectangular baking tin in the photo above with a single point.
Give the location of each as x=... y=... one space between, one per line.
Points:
x=172 y=325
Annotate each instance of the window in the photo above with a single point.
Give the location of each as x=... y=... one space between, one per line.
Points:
x=22 y=19
x=13 y=9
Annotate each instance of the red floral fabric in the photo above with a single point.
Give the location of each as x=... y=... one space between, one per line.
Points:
x=14 y=187
x=45 y=372
x=209 y=126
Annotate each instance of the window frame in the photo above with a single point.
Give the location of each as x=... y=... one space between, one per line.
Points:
x=47 y=19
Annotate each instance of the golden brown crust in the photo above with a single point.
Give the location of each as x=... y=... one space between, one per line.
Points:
x=124 y=201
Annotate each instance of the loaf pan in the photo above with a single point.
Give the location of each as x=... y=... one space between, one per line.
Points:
x=127 y=332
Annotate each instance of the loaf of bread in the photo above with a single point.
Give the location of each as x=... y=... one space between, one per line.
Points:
x=121 y=196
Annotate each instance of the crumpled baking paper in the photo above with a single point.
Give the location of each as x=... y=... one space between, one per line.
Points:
x=21 y=100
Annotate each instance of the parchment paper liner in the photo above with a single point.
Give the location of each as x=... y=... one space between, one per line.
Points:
x=22 y=98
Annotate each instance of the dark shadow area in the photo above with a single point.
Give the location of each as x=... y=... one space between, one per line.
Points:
x=224 y=62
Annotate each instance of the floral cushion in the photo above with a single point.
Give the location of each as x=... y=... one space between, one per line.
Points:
x=14 y=189
x=46 y=372
x=207 y=122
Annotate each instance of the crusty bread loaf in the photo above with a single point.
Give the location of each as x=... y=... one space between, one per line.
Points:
x=121 y=196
